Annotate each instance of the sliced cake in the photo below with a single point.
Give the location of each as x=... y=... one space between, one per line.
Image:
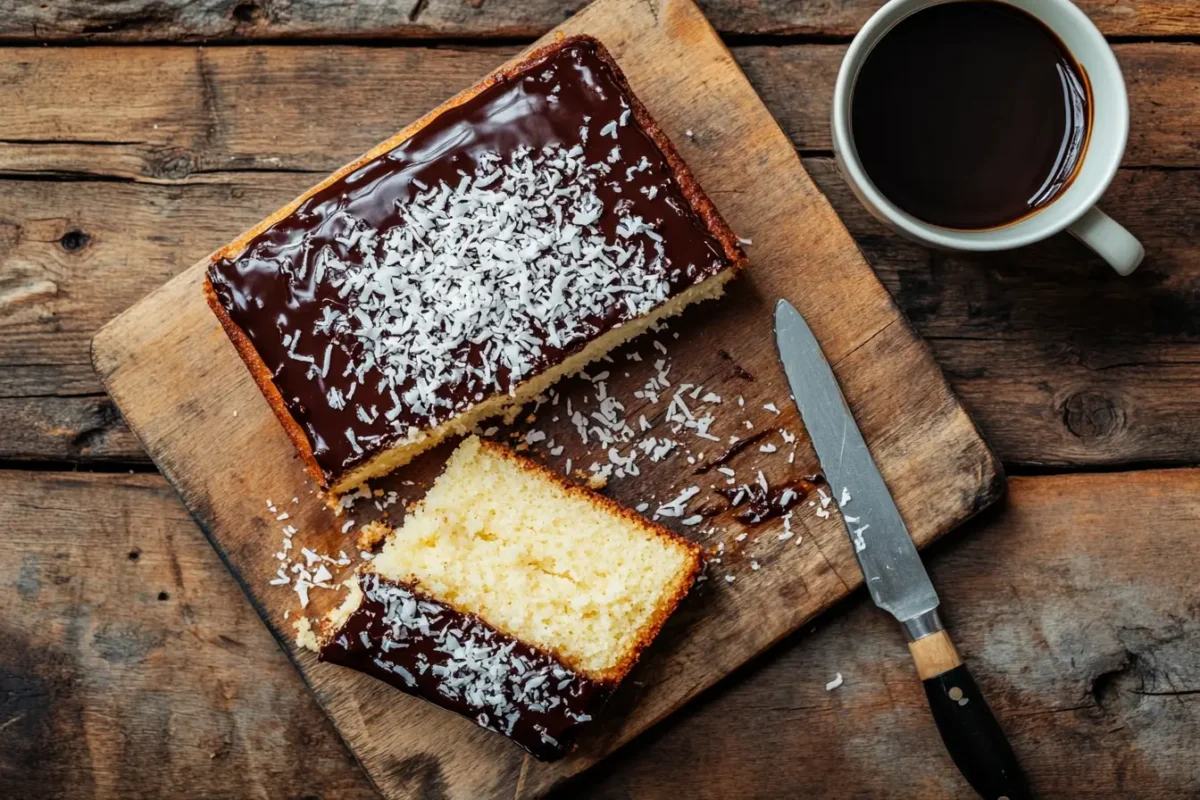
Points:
x=523 y=229
x=513 y=597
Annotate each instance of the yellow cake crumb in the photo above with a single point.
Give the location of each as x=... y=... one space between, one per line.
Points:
x=540 y=559
x=371 y=534
x=306 y=637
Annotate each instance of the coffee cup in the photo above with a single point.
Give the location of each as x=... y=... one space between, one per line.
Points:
x=1073 y=208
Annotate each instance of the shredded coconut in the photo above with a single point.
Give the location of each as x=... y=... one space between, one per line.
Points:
x=480 y=266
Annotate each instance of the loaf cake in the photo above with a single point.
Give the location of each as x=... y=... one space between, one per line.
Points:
x=511 y=596
x=523 y=229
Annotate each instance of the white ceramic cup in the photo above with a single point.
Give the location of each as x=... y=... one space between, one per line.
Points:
x=1074 y=209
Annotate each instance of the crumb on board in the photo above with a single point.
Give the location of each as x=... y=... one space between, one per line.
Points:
x=371 y=534
x=306 y=637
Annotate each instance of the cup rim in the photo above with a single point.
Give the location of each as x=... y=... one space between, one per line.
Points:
x=878 y=26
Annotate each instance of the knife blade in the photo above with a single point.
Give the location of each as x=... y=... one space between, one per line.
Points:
x=890 y=564
x=892 y=568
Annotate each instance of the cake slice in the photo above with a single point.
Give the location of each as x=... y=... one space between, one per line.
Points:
x=525 y=228
x=513 y=597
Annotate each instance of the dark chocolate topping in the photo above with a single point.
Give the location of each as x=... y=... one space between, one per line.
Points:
x=428 y=649
x=331 y=295
x=759 y=504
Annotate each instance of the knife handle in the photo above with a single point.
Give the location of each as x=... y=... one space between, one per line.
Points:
x=969 y=730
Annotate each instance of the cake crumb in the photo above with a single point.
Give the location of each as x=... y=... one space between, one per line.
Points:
x=306 y=637
x=597 y=481
x=371 y=534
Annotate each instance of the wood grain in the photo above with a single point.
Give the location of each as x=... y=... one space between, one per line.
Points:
x=175 y=376
x=240 y=20
x=1057 y=361
x=1076 y=618
x=1060 y=362
x=1040 y=364
x=1080 y=625
x=934 y=654
x=181 y=114
x=130 y=665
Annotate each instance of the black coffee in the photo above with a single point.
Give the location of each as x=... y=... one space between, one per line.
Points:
x=970 y=115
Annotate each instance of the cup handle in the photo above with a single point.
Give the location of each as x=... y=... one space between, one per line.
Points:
x=1111 y=242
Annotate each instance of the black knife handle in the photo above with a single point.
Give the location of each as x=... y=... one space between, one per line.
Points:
x=969 y=730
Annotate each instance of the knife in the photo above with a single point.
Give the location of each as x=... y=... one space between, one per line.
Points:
x=893 y=571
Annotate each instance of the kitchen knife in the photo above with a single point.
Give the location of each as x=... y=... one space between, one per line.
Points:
x=893 y=571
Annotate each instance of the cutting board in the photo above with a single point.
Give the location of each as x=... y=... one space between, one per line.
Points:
x=185 y=393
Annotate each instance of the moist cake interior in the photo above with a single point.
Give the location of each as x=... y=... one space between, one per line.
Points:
x=512 y=597
x=539 y=560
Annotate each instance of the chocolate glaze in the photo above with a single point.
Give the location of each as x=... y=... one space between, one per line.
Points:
x=761 y=505
x=259 y=290
x=541 y=702
x=733 y=450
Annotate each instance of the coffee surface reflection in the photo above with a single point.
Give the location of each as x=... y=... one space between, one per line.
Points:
x=970 y=115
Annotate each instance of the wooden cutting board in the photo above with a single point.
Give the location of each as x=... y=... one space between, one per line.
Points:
x=185 y=393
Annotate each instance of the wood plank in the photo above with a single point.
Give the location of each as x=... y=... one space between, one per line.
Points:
x=130 y=665
x=1058 y=361
x=173 y=114
x=80 y=428
x=240 y=20
x=1080 y=627
x=1075 y=622
x=154 y=357
x=72 y=255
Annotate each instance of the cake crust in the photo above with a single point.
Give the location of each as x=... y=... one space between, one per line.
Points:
x=412 y=651
x=699 y=204
x=670 y=601
x=676 y=592
x=376 y=633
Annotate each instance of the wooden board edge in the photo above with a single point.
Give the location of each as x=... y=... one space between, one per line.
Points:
x=992 y=482
x=529 y=788
x=281 y=638
x=992 y=479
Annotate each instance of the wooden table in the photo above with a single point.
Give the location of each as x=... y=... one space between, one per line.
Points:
x=132 y=666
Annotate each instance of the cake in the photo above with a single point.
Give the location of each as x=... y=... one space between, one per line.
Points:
x=511 y=596
x=523 y=229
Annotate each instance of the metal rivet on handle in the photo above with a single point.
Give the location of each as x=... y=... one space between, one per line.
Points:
x=955 y=693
